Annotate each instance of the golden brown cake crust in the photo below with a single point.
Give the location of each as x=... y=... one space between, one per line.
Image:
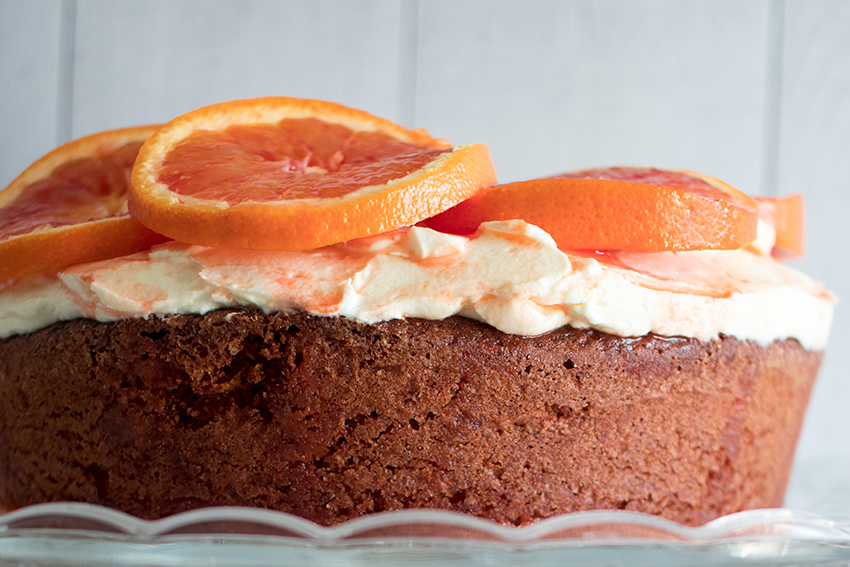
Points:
x=330 y=419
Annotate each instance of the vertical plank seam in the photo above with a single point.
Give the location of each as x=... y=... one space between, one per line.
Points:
x=407 y=63
x=67 y=53
x=773 y=99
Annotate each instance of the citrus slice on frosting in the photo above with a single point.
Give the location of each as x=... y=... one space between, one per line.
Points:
x=70 y=206
x=283 y=173
x=617 y=208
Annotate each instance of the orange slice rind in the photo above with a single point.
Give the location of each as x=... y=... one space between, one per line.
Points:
x=636 y=209
x=277 y=189
x=70 y=207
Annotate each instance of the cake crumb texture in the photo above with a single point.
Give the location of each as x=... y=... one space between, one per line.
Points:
x=330 y=419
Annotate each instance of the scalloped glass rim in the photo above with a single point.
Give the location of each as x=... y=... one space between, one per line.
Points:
x=73 y=534
x=603 y=526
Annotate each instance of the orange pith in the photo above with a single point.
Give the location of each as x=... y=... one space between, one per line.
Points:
x=787 y=216
x=70 y=207
x=292 y=174
x=638 y=209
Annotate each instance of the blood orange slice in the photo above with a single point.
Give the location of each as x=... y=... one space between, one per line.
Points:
x=293 y=174
x=617 y=208
x=70 y=206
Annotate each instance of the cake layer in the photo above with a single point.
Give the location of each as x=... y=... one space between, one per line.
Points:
x=330 y=419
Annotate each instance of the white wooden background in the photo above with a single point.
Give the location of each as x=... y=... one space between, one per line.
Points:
x=756 y=93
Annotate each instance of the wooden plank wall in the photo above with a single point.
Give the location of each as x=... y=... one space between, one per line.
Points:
x=756 y=93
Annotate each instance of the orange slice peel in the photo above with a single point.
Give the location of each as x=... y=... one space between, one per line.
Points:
x=621 y=208
x=282 y=173
x=70 y=207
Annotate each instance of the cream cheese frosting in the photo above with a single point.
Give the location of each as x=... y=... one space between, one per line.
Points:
x=509 y=274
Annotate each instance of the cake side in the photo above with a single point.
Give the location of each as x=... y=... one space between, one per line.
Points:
x=330 y=419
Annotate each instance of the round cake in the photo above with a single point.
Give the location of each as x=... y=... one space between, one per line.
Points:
x=293 y=305
x=330 y=418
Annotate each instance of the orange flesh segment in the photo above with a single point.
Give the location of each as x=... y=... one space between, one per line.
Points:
x=272 y=162
x=637 y=209
x=78 y=191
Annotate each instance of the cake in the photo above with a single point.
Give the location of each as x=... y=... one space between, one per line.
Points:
x=330 y=418
x=490 y=373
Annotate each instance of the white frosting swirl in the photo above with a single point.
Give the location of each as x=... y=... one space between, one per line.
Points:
x=508 y=274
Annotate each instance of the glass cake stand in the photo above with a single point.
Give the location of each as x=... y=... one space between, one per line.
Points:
x=64 y=534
